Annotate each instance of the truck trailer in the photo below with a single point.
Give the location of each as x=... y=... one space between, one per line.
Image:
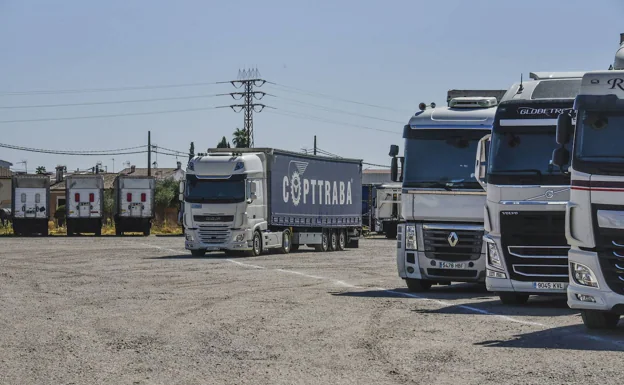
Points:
x=84 y=204
x=388 y=209
x=30 y=204
x=133 y=204
x=253 y=200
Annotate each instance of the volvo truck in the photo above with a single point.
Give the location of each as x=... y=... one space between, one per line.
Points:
x=133 y=204
x=592 y=138
x=440 y=239
x=527 y=251
x=251 y=201
x=84 y=204
x=388 y=209
x=30 y=204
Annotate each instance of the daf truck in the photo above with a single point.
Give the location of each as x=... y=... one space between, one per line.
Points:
x=251 y=201
x=388 y=209
x=84 y=204
x=30 y=204
x=133 y=204
x=594 y=219
x=440 y=239
x=527 y=252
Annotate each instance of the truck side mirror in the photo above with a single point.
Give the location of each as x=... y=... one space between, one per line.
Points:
x=481 y=161
x=402 y=167
x=394 y=150
x=252 y=191
x=181 y=191
x=561 y=156
x=394 y=169
x=564 y=129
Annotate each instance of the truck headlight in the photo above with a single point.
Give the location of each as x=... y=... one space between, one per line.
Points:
x=494 y=258
x=410 y=238
x=583 y=275
x=189 y=237
x=239 y=237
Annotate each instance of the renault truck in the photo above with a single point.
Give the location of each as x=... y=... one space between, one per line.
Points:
x=527 y=251
x=84 y=204
x=252 y=201
x=592 y=138
x=440 y=238
x=30 y=204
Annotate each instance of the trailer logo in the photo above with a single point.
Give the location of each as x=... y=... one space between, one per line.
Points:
x=300 y=190
x=453 y=239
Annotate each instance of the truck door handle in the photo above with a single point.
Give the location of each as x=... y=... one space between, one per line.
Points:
x=568 y=226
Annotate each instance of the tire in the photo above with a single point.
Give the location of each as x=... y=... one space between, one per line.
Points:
x=333 y=240
x=198 y=253
x=595 y=319
x=286 y=243
x=342 y=240
x=513 y=298
x=324 y=246
x=98 y=232
x=118 y=232
x=147 y=229
x=417 y=285
x=294 y=247
x=256 y=245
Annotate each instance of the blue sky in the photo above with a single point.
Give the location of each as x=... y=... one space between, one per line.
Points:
x=386 y=53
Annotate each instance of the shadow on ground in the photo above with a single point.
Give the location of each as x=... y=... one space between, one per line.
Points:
x=456 y=291
x=574 y=337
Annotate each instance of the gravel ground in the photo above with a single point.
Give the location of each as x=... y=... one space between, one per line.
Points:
x=143 y=311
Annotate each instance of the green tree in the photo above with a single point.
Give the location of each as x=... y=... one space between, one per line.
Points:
x=240 y=139
x=223 y=143
x=192 y=151
x=109 y=204
x=41 y=170
x=166 y=193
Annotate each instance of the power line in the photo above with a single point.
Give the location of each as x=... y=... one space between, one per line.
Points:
x=320 y=95
x=327 y=153
x=170 y=150
x=75 y=153
x=336 y=110
x=111 y=102
x=94 y=90
x=298 y=115
x=107 y=116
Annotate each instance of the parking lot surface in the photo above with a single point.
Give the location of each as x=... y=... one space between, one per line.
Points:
x=141 y=310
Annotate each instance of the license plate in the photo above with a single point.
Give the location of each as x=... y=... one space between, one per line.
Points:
x=550 y=285
x=452 y=265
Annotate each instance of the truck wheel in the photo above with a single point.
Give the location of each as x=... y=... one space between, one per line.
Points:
x=198 y=253
x=333 y=240
x=417 y=285
x=324 y=246
x=595 y=319
x=342 y=240
x=294 y=247
x=286 y=242
x=513 y=298
x=257 y=244
x=118 y=231
x=147 y=230
x=98 y=232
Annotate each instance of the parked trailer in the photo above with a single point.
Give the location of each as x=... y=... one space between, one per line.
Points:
x=30 y=204
x=84 y=204
x=254 y=200
x=388 y=209
x=134 y=204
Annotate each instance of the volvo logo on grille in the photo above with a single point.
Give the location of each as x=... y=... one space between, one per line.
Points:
x=549 y=194
x=453 y=239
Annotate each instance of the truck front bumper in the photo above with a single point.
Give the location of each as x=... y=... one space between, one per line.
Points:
x=239 y=240
x=591 y=298
x=416 y=265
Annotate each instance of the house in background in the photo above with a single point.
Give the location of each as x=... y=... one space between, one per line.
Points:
x=5 y=184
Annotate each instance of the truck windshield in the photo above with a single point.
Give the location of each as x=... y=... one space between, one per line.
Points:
x=442 y=162
x=522 y=155
x=601 y=136
x=214 y=190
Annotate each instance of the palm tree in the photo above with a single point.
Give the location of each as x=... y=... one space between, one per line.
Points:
x=240 y=139
x=41 y=170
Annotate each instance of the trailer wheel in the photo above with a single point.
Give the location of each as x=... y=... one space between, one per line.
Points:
x=286 y=242
x=333 y=240
x=256 y=248
x=147 y=230
x=118 y=231
x=324 y=246
x=342 y=239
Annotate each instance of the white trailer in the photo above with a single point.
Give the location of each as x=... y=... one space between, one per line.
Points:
x=133 y=204
x=84 y=204
x=388 y=209
x=30 y=204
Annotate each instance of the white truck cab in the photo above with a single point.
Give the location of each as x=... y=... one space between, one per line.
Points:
x=440 y=238
x=526 y=194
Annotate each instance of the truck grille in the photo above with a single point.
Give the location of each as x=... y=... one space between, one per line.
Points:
x=213 y=218
x=438 y=244
x=610 y=250
x=214 y=234
x=534 y=245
